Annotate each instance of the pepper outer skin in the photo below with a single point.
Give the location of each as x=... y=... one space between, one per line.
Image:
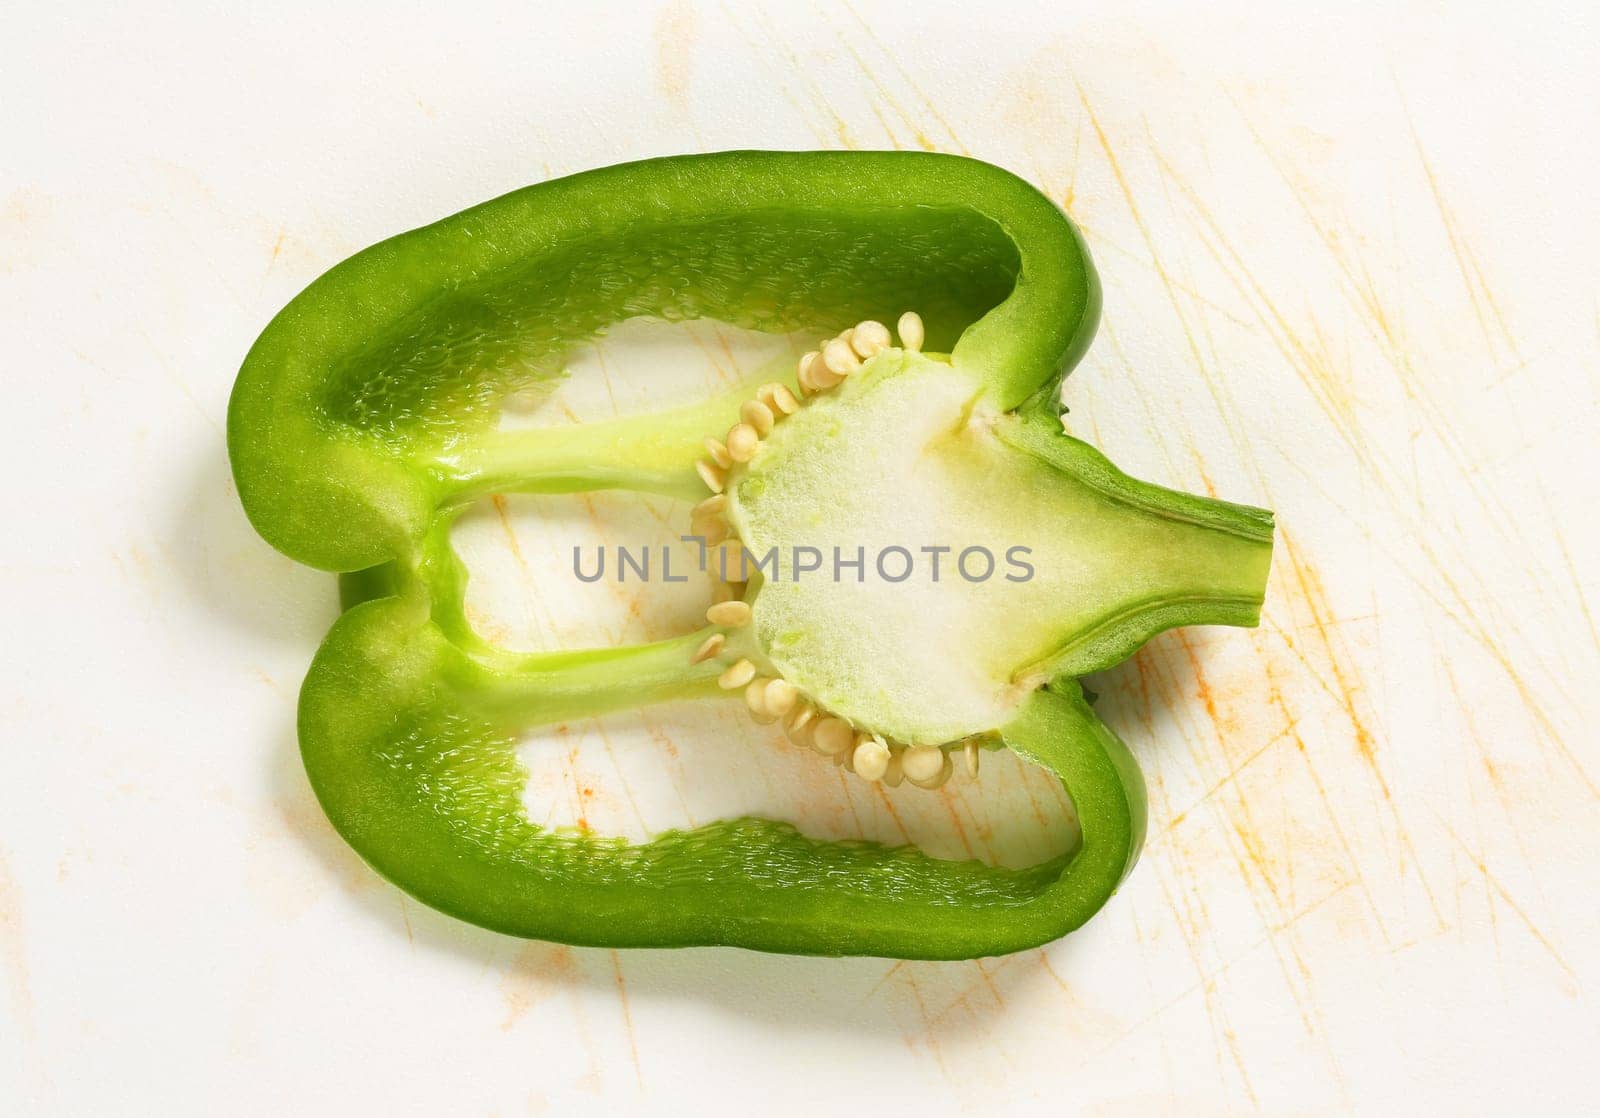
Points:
x=359 y=428
x=323 y=492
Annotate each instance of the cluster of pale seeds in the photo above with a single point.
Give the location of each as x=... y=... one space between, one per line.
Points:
x=821 y=369
x=869 y=756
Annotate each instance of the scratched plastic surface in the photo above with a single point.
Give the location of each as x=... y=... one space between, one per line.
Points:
x=1348 y=254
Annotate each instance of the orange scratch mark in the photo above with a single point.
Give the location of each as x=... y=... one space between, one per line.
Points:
x=1485 y=305
x=1200 y=298
x=878 y=985
x=888 y=129
x=405 y=918
x=817 y=93
x=1208 y=979
x=1276 y=696
x=1045 y=965
x=849 y=797
x=719 y=357
x=1505 y=895
x=664 y=740
x=1361 y=291
x=1222 y=1034
x=1350 y=688
x=1464 y=616
x=893 y=57
x=929 y=1032
x=486 y=626
x=1237 y=771
x=988 y=982
x=888 y=806
x=580 y=808
x=1071 y=193
x=1578 y=593
x=1030 y=790
x=1248 y=852
x=1168 y=284
x=627 y=788
x=627 y=1017
x=955 y=795
x=605 y=376
x=502 y=509
x=886 y=96
x=1126 y=189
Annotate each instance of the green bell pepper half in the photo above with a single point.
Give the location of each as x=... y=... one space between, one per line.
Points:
x=362 y=423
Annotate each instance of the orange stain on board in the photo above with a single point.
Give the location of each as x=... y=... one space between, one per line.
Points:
x=676 y=32
x=303 y=817
x=485 y=625
x=13 y=944
x=534 y=974
x=622 y=774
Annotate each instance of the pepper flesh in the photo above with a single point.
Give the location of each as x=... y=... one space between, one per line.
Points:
x=361 y=425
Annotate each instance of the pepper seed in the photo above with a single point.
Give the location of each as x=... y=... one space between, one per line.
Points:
x=714 y=478
x=912 y=334
x=742 y=442
x=708 y=648
x=869 y=337
x=733 y=615
x=737 y=676
x=757 y=415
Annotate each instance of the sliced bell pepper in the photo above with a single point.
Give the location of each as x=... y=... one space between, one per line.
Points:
x=364 y=420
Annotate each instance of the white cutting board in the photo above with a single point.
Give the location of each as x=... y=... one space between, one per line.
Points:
x=1350 y=273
